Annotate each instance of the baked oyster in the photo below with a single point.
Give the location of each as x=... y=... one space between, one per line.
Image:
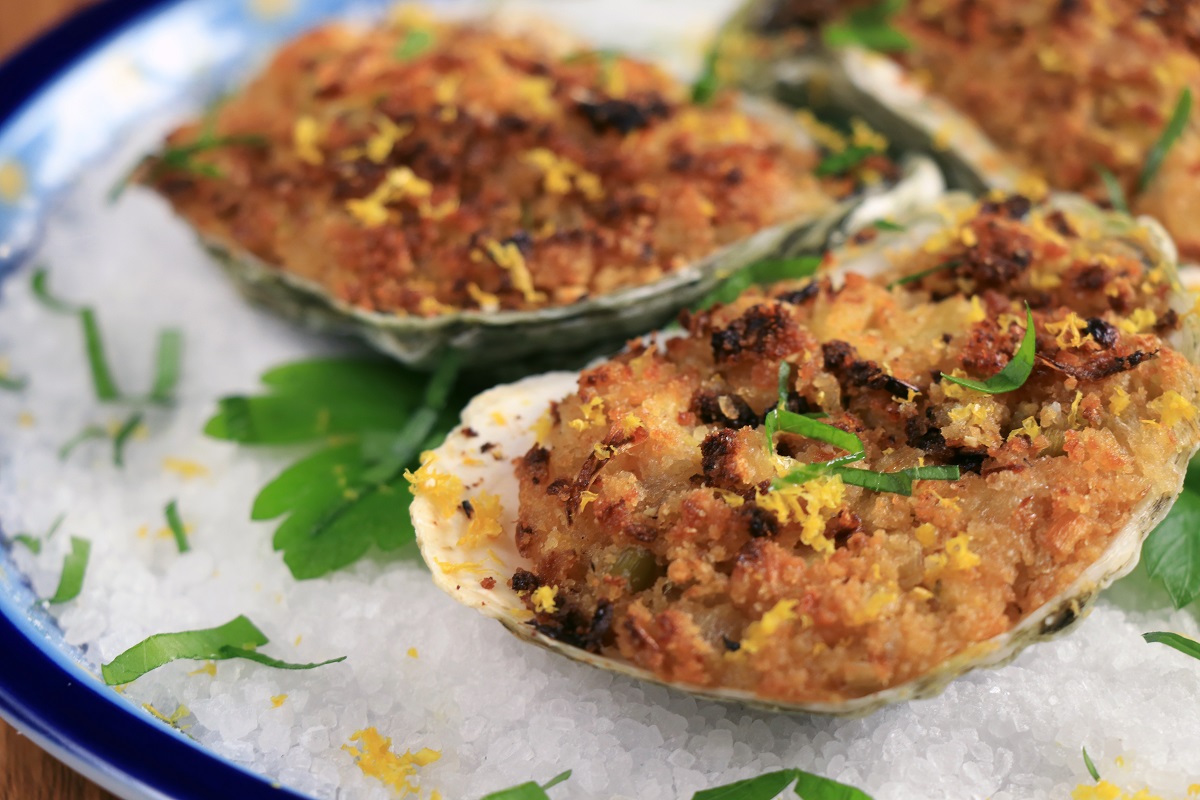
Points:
x=437 y=186
x=689 y=513
x=999 y=93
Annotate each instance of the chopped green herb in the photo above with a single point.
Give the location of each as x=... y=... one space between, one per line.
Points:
x=529 y=790
x=767 y=271
x=899 y=482
x=166 y=365
x=176 y=526
x=235 y=639
x=70 y=583
x=870 y=28
x=41 y=290
x=11 y=384
x=1091 y=768
x=32 y=542
x=846 y=160
x=1181 y=643
x=789 y=422
x=375 y=419
x=121 y=437
x=705 y=87
x=1172 y=550
x=925 y=273
x=415 y=42
x=1173 y=130
x=1015 y=372
x=181 y=157
x=87 y=434
x=1112 y=185
x=103 y=382
x=765 y=787
x=888 y=225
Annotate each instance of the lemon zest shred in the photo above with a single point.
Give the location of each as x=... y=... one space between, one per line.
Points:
x=822 y=494
x=376 y=759
x=278 y=700
x=544 y=599
x=184 y=468
x=593 y=414
x=759 y=632
x=306 y=137
x=443 y=490
x=959 y=552
x=485 y=520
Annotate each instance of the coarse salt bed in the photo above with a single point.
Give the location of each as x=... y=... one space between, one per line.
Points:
x=498 y=711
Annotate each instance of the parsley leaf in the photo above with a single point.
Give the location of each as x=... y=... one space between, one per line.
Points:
x=707 y=83
x=70 y=583
x=1181 y=643
x=842 y=162
x=760 y=273
x=1015 y=372
x=1173 y=130
x=1091 y=767
x=765 y=787
x=870 y=28
x=374 y=419
x=1172 y=550
x=414 y=43
x=529 y=790
x=176 y=525
x=235 y=639
x=925 y=273
x=1112 y=185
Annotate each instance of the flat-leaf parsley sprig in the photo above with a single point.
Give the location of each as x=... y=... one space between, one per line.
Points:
x=1172 y=550
x=373 y=419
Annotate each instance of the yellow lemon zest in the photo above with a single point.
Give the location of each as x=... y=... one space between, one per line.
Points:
x=306 y=137
x=544 y=599
x=485 y=520
x=805 y=503
x=375 y=758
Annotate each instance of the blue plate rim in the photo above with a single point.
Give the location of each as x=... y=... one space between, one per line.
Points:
x=56 y=703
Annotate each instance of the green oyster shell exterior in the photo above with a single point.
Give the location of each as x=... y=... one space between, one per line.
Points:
x=565 y=335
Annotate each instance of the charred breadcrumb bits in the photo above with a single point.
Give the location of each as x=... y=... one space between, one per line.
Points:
x=489 y=171
x=683 y=560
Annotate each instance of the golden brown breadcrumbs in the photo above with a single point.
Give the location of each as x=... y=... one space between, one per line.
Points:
x=426 y=166
x=1061 y=86
x=648 y=513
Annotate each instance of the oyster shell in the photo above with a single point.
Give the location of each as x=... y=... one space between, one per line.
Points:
x=508 y=416
x=852 y=81
x=561 y=335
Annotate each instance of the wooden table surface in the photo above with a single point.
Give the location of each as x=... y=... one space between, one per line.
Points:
x=27 y=773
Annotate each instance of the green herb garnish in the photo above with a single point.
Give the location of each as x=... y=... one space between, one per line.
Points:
x=870 y=28
x=888 y=225
x=766 y=271
x=899 y=482
x=765 y=787
x=1173 y=130
x=529 y=790
x=375 y=418
x=176 y=526
x=704 y=89
x=235 y=639
x=34 y=543
x=1181 y=643
x=925 y=273
x=11 y=384
x=70 y=583
x=780 y=420
x=415 y=42
x=182 y=157
x=1112 y=185
x=102 y=378
x=166 y=365
x=844 y=161
x=1015 y=372
x=1091 y=768
x=41 y=290
x=1172 y=550
x=87 y=434
x=122 y=435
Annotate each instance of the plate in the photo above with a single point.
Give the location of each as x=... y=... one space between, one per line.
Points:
x=81 y=93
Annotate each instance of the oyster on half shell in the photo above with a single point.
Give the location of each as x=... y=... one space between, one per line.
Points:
x=503 y=424
x=438 y=187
